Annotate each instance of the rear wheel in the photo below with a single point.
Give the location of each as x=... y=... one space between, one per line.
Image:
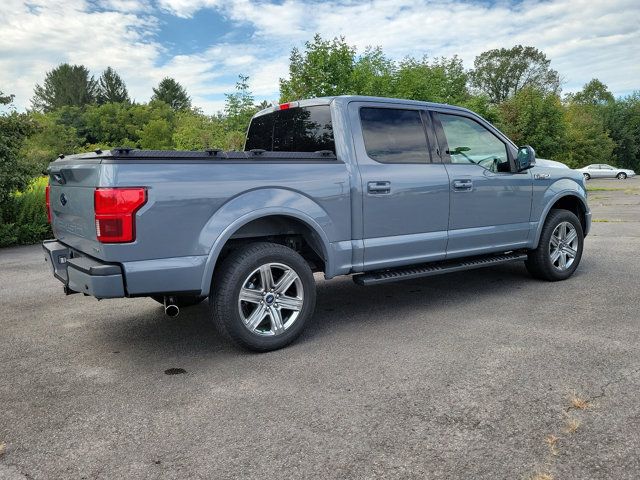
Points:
x=586 y=176
x=263 y=296
x=621 y=176
x=560 y=248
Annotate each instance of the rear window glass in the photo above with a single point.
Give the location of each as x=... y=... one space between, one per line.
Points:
x=394 y=135
x=307 y=129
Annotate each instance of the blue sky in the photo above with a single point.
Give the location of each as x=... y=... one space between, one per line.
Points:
x=206 y=44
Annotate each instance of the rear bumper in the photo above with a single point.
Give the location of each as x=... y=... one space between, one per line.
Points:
x=81 y=274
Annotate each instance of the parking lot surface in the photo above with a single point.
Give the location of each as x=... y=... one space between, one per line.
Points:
x=484 y=374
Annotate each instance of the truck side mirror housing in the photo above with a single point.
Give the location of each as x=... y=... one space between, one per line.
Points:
x=526 y=158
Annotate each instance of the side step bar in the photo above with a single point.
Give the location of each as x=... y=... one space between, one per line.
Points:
x=436 y=268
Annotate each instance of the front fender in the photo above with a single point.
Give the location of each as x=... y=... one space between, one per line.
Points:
x=259 y=203
x=557 y=190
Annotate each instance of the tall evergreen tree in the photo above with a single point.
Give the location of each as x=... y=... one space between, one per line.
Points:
x=111 y=88
x=65 y=85
x=172 y=93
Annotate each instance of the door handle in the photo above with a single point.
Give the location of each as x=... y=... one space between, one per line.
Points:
x=379 y=188
x=462 y=185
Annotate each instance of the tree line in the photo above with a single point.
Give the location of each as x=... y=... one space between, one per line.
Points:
x=515 y=88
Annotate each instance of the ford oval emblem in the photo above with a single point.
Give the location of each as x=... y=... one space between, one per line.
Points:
x=63 y=199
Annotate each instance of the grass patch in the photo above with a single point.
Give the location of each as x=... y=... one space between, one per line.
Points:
x=572 y=425
x=606 y=220
x=578 y=403
x=606 y=189
x=542 y=476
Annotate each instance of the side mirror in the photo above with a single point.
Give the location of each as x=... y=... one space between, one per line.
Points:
x=526 y=158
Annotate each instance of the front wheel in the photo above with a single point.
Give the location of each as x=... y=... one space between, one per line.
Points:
x=560 y=248
x=621 y=176
x=263 y=295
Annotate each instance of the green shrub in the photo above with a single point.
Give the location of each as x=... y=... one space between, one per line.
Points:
x=25 y=216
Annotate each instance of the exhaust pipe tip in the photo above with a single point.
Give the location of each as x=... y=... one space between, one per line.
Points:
x=170 y=308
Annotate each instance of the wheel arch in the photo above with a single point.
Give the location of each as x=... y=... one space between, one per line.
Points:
x=265 y=214
x=567 y=201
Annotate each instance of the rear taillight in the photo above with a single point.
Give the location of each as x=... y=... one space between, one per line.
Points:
x=48 y=202
x=115 y=213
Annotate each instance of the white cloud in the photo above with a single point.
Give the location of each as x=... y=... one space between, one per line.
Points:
x=584 y=39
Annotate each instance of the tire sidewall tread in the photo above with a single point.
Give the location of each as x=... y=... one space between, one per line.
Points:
x=228 y=280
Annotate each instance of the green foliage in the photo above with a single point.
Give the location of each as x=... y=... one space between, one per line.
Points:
x=111 y=88
x=501 y=73
x=196 y=131
x=325 y=68
x=172 y=93
x=14 y=174
x=534 y=117
x=622 y=121
x=442 y=80
x=373 y=74
x=513 y=88
x=28 y=214
x=65 y=85
x=5 y=99
x=239 y=106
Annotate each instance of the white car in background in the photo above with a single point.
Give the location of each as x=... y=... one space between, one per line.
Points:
x=601 y=170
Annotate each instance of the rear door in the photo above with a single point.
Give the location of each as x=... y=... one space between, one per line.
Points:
x=405 y=194
x=490 y=202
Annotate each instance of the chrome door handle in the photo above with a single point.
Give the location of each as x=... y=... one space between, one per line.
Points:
x=379 y=188
x=462 y=185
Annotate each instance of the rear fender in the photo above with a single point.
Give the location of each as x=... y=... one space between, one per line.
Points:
x=260 y=203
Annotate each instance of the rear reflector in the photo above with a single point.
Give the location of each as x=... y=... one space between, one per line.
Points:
x=115 y=210
x=48 y=202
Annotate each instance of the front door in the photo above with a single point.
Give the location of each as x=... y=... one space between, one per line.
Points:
x=405 y=196
x=490 y=202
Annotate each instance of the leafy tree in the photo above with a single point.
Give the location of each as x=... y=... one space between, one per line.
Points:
x=501 y=73
x=156 y=135
x=196 y=131
x=111 y=88
x=239 y=106
x=533 y=117
x=65 y=85
x=373 y=74
x=588 y=141
x=172 y=93
x=5 y=99
x=14 y=174
x=622 y=121
x=594 y=93
x=442 y=80
x=324 y=68
x=48 y=139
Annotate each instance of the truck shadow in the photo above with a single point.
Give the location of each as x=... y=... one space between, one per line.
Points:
x=340 y=305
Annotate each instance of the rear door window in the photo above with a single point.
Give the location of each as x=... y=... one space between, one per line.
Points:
x=393 y=135
x=298 y=129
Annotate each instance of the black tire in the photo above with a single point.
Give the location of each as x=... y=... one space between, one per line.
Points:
x=621 y=176
x=539 y=263
x=181 y=300
x=586 y=176
x=230 y=278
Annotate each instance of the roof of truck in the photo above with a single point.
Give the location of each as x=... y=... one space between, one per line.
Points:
x=345 y=99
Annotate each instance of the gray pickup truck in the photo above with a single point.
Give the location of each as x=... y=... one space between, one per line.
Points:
x=381 y=189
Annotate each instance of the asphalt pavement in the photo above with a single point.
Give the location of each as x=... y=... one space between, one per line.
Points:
x=486 y=374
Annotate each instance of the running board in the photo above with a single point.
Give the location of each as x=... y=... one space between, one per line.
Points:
x=436 y=268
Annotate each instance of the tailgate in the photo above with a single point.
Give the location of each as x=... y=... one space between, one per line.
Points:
x=71 y=194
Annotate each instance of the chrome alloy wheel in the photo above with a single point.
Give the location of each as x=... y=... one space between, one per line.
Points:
x=270 y=299
x=563 y=246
